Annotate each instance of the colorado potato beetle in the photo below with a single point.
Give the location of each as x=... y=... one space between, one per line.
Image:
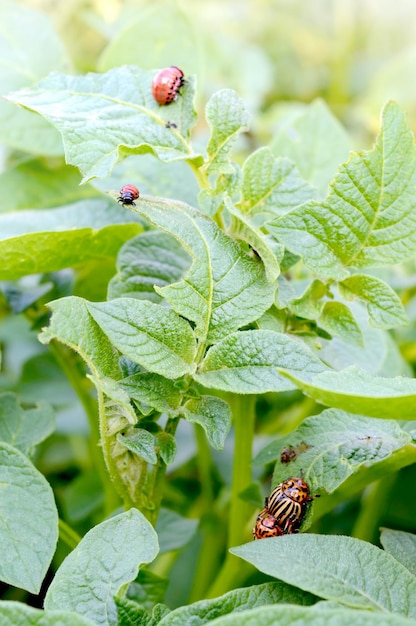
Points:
x=266 y=526
x=128 y=194
x=287 y=503
x=166 y=84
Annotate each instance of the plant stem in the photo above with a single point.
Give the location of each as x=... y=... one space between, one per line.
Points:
x=234 y=571
x=69 y=364
x=374 y=502
x=68 y=535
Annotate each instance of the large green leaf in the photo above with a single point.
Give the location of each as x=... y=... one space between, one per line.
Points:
x=107 y=557
x=28 y=521
x=119 y=117
x=24 y=428
x=369 y=217
x=355 y=390
x=152 y=258
x=147 y=333
x=331 y=447
x=272 y=186
x=247 y=362
x=25 y=59
x=314 y=140
x=50 y=240
x=236 y=601
x=401 y=545
x=19 y=614
x=318 y=615
x=337 y=568
x=225 y=288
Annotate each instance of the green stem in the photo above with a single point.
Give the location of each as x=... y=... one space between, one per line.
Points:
x=374 y=502
x=234 y=571
x=69 y=364
x=200 y=175
x=68 y=535
x=210 y=525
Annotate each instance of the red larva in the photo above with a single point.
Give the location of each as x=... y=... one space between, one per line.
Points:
x=128 y=194
x=166 y=84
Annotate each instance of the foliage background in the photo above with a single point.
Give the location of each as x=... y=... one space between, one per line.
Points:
x=278 y=55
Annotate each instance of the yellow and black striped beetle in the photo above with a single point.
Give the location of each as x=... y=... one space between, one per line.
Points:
x=287 y=503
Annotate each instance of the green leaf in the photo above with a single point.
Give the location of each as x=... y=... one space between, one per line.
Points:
x=213 y=414
x=247 y=362
x=152 y=258
x=368 y=218
x=44 y=241
x=225 y=288
x=142 y=443
x=107 y=557
x=384 y=307
x=272 y=186
x=28 y=521
x=314 y=140
x=25 y=59
x=119 y=396
x=337 y=319
x=34 y=185
x=317 y=615
x=167 y=446
x=265 y=247
x=236 y=601
x=72 y=324
x=332 y=446
x=227 y=117
x=148 y=589
x=130 y=613
x=123 y=95
x=401 y=546
x=24 y=428
x=152 y=390
x=341 y=569
x=19 y=614
x=174 y=531
x=148 y=334
x=161 y=27
x=309 y=304
x=355 y=390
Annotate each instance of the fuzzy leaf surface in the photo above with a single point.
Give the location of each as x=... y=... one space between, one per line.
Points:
x=152 y=258
x=384 y=306
x=148 y=334
x=247 y=362
x=105 y=117
x=213 y=414
x=107 y=557
x=50 y=240
x=312 y=616
x=227 y=117
x=337 y=319
x=236 y=601
x=368 y=218
x=28 y=521
x=338 y=568
x=401 y=545
x=224 y=288
x=142 y=443
x=314 y=140
x=152 y=390
x=72 y=324
x=334 y=445
x=19 y=614
x=354 y=389
x=25 y=59
x=272 y=186
x=24 y=428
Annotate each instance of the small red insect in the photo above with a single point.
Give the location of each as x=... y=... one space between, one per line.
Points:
x=266 y=526
x=166 y=84
x=128 y=194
